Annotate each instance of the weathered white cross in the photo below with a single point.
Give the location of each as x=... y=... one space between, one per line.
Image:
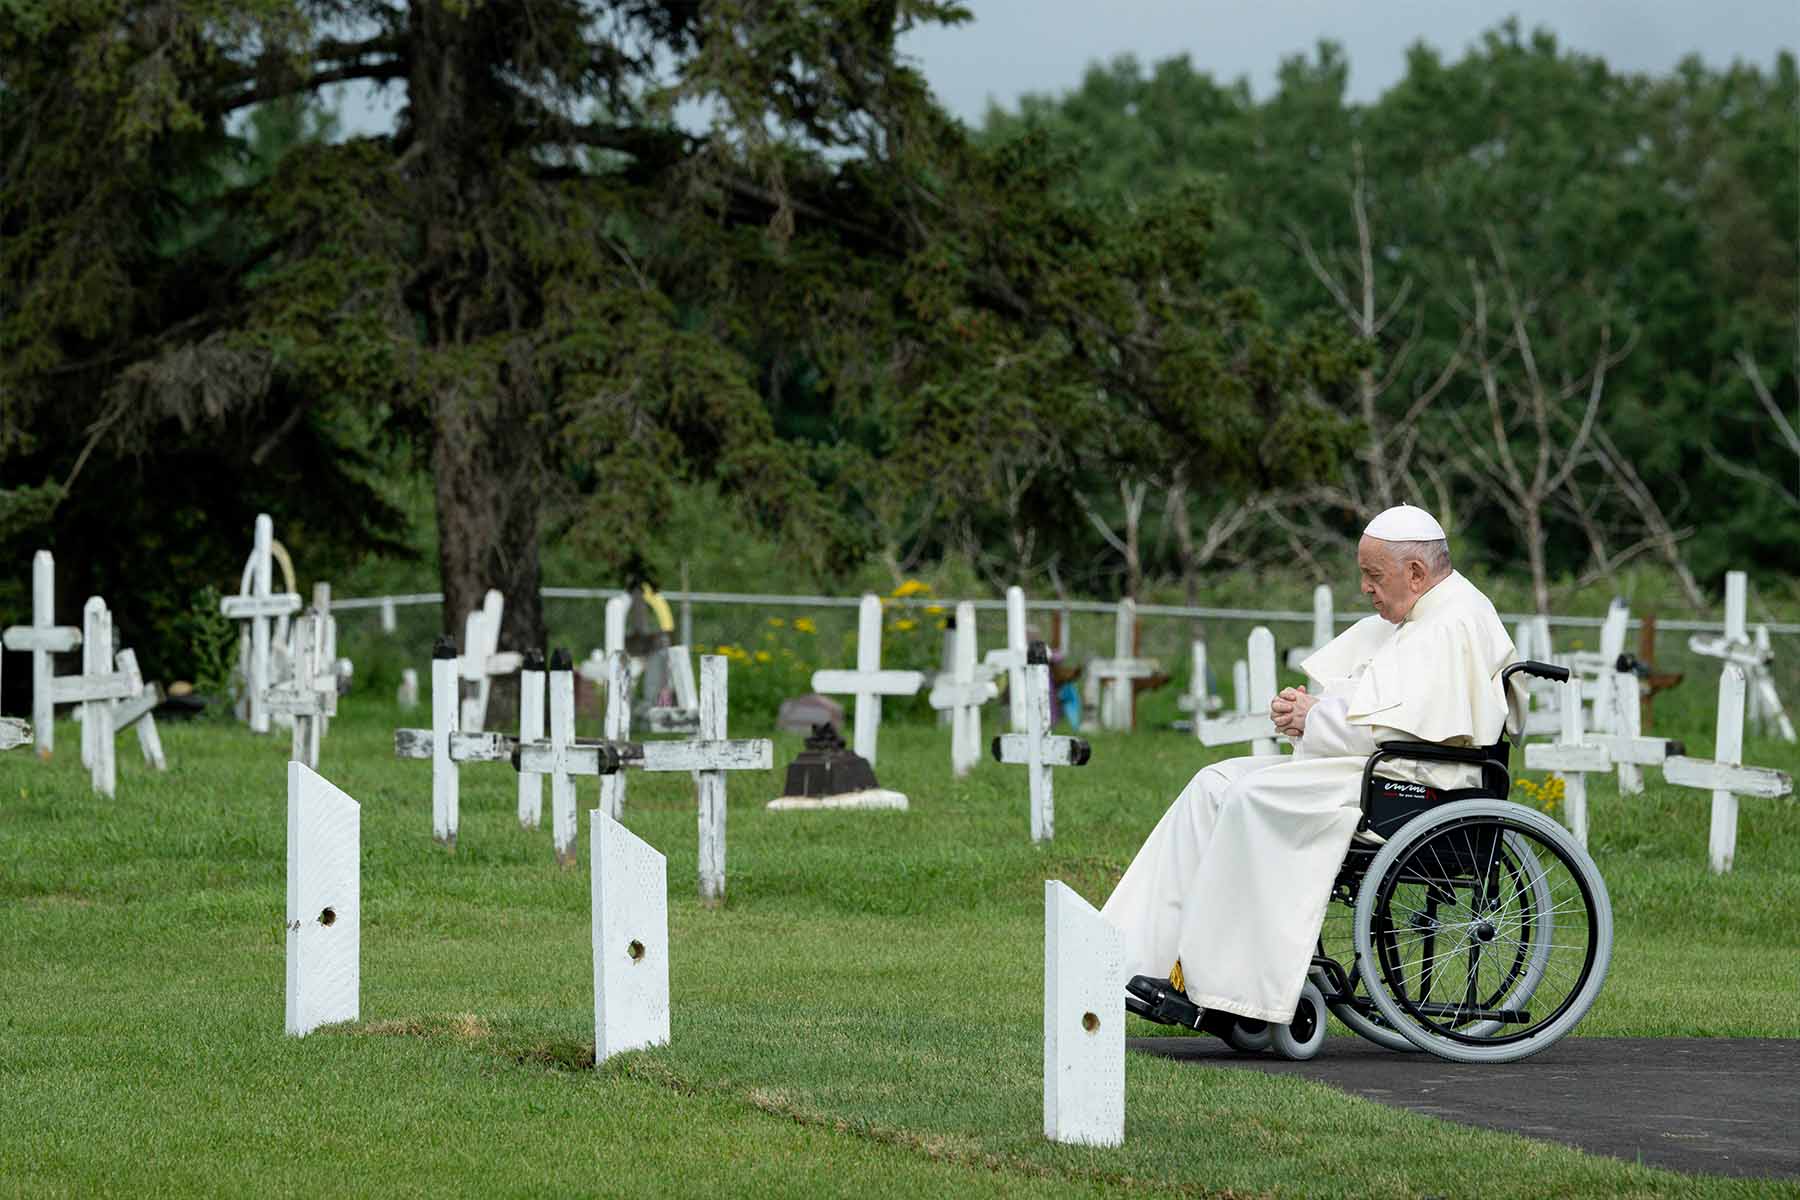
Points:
x=1037 y=749
x=1724 y=774
x=309 y=694
x=1114 y=676
x=1199 y=698
x=531 y=729
x=482 y=658
x=259 y=607
x=43 y=637
x=95 y=689
x=139 y=712
x=868 y=682
x=1573 y=758
x=617 y=728
x=1322 y=631
x=1011 y=660
x=709 y=756
x=1754 y=655
x=1256 y=691
x=447 y=746
x=961 y=692
x=1531 y=642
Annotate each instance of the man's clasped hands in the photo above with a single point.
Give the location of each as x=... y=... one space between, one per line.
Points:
x=1289 y=709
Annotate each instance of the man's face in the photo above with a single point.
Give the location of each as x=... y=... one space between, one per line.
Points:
x=1390 y=585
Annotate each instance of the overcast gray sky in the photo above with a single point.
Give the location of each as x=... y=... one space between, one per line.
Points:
x=1017 y=46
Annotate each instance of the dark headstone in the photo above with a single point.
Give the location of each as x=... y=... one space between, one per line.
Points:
x=800 y=713
x=827 y=768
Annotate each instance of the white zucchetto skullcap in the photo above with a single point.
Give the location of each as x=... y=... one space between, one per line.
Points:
x=1404 y=523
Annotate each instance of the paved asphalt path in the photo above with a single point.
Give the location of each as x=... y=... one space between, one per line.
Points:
x=1725 y=1106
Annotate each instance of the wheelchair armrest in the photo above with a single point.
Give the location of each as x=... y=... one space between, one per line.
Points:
x=1473 y=756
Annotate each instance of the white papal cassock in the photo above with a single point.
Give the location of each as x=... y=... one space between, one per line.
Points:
x=1235 y=878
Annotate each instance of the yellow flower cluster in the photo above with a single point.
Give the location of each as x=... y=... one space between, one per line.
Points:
x=1546 y=796
x=912 y=587
x=903 y=624
x=805 y=625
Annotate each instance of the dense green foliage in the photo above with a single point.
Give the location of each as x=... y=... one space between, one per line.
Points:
x=1652 y=221
x=555 y=300
x=842 y=1024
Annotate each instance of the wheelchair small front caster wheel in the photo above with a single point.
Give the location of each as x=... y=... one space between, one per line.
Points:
x=1250 y=1037
x=1304 y=1036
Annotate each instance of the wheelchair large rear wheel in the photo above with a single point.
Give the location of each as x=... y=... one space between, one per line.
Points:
x=1483 y=931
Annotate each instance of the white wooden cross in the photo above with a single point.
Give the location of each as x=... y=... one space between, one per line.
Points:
x=1199 y=698
x=43 y=637
x=709 y=756
x=1114 y=676
x=1037 y=749
x=482 y=658
x=447 y=746
x=617 y=728
x=1572 y=758
x=139 y=713
x=868 y=682
x=95 y=689
x=961 y=692
x=1322 y=627
x=531 y=729
x=1256 y=691
x=257 y=605
x=1724 y=774
x=1754 y=655
x=1600 y=669
x=1531 y=642
x=327 y=649
x=1011 y=660
x=309 y=694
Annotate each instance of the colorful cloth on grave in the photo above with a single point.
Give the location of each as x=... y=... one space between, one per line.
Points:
x=1234 y=879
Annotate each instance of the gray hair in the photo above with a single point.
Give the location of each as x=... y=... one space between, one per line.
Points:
x=1434 y=555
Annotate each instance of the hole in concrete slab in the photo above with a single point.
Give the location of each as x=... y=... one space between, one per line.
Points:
x=1090 y=1022
x=327 y=916
x=636 y=951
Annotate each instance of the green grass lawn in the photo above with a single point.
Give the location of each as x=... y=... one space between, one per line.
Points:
x=863 y=1016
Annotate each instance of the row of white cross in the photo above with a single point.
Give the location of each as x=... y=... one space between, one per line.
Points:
x=547 y=747
x=110 y=690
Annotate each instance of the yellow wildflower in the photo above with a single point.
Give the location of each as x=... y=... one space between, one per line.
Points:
x=904 y=624
x=912 y=587
x=776 y=622
x=935 y=609
x=805 y=625
x=763 y=656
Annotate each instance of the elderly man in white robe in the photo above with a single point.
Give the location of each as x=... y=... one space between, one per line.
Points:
x=1221 y=908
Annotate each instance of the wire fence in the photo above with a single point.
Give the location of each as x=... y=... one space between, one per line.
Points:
x=776 y=641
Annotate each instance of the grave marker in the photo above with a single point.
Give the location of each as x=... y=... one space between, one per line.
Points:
x=1198 y=699
x=95 y=689
x=43 y=637
x=1084 y=1022
x=324 y=903
x=1754 y=655
x=961 y=692
x=1037 y=749
x=630 y=899
x=531 y=729
x=1116 y=676
x=1725 y=775
x=258 y=606
x=309 y=694
x=1255 y=686
x=617 y=728
x=407 y=694
x=868 y=682
x=1012 y=659
x=483 y=659
x=1573 y=758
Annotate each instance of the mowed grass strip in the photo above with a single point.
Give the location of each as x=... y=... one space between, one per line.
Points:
x=864 y=1015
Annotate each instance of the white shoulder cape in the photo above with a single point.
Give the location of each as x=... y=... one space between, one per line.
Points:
x=1435 y=676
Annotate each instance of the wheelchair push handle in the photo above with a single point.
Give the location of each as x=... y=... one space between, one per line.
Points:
x=1541 y=670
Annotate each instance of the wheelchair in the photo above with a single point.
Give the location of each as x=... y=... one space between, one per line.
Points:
x=1467 y=925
